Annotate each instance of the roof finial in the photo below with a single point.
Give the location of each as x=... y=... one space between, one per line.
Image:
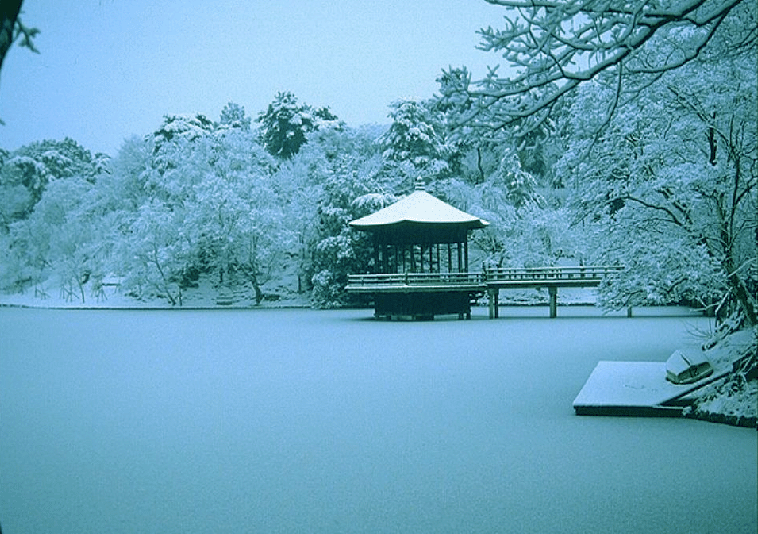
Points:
x=420 y=184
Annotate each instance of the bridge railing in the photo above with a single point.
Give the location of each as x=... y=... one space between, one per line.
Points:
x=493 y=275
x=592 y=272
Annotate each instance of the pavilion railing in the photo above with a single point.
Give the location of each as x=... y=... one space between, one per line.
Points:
x=416 y=279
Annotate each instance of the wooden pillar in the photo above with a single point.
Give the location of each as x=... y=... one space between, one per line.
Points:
x=465 y=255
x=629 y=312
x=449 y=257
x=553 y=293
x=493 y=295
x=460 y=257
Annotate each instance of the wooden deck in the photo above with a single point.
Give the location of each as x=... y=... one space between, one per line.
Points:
x=636 y=389
x=490 y=281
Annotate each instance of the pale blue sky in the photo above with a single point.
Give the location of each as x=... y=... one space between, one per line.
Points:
x=109 y=69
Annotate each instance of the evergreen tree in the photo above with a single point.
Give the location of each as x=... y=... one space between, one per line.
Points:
x=233 y=116
x=285 y=125
x=25 y=173
x=412 y=142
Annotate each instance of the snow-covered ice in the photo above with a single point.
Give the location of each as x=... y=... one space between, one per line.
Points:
x=329 y=421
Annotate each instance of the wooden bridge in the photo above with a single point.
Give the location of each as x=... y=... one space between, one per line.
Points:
x=490 y=281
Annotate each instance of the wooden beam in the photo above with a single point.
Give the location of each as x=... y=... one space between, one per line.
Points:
x=553 y=293
x=493 y=295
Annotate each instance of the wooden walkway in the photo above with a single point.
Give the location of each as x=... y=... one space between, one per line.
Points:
x=490 y=281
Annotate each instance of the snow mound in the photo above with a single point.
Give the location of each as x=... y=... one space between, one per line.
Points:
x=733 y=400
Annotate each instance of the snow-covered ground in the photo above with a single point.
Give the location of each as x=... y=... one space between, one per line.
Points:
x=734 y=399
x=328 y=421
x=109 y=296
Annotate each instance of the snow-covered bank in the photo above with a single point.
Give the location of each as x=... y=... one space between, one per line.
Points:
x=734 y=399
x=109 y=295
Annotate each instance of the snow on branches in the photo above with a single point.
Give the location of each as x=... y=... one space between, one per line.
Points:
x=553 y=46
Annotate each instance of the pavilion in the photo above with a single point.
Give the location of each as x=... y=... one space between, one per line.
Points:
x=420 y=257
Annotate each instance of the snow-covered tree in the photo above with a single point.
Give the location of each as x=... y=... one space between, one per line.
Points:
x=336 y=177
x=154 y=253
x=519 y=186
x=201 y=204
x=233 y=116
x=533 y=233
x=412 y=143
x=667 y=70
x=25 y=173
x=285 y=124
x=237 y=212
x=63 y=239
x=552 y=47
x=475 y=150
x=672 y=182
x=174 y=135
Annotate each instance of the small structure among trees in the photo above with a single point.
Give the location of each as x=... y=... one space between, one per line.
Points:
x=420 y=258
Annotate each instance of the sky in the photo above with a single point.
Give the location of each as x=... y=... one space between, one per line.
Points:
x=111 y=69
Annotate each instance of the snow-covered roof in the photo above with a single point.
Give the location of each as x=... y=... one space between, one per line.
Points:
x=419 y=207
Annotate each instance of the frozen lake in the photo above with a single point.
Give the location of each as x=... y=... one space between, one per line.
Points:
x=303 y=421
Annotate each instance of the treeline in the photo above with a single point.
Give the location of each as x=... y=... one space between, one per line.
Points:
x=240 y=199
x=665 y=186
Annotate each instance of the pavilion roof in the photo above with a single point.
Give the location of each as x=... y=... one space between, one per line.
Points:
x=421 y=208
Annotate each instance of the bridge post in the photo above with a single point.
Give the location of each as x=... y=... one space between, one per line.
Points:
x=553 y=294
x=493 y=295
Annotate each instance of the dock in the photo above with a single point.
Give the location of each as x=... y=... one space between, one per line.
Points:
x=635 y=389
x=490 y=281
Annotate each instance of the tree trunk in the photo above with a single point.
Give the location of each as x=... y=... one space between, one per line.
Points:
x=479 y=167
x=8 y=14
x=744 y=298
x=257 y=289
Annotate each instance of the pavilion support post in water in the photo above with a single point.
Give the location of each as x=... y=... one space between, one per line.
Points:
x=493 y=296
x=553 y=295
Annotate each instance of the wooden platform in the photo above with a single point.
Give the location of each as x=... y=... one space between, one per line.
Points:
x=386 y=287
x=634 y=389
